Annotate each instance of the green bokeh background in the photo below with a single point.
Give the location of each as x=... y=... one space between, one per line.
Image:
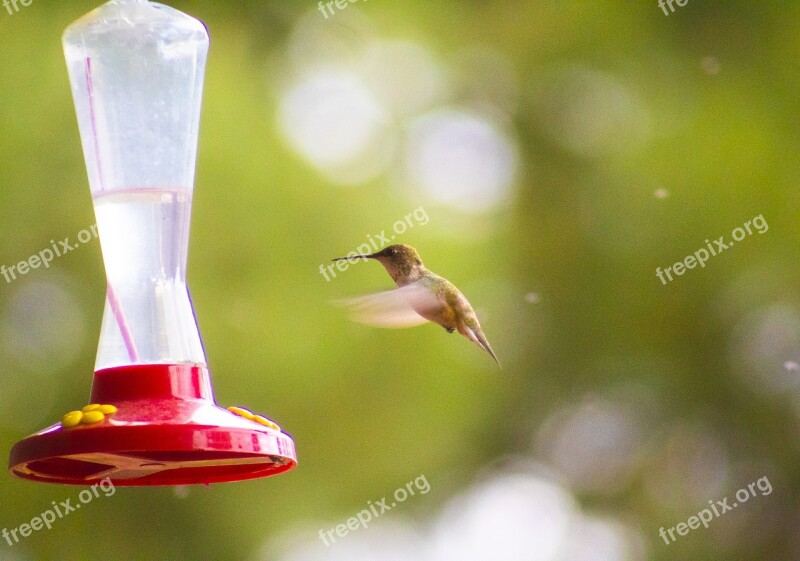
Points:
x=371 y=409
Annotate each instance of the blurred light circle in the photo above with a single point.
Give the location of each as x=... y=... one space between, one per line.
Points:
x=509 y=518
x=461 y=159
x=486 y=77
x=316 y=43
x=591 y=113
x=42 y=331
x=597 y=539
x=692 y=467
x=514 y=516
x=761 y=343
x=334 y=121
x=403 y=75
x=43 y=326
x=594 y=445
x=395 y=540
x=710 y=65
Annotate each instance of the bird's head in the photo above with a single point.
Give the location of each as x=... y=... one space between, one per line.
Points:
x=401 y=261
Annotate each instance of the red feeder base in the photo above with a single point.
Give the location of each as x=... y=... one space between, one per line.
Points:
x=166 y=430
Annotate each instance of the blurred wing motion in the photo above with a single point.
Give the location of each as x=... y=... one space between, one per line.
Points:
x=401 y=307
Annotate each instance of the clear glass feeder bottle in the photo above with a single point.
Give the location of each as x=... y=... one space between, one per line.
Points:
x=136 y=69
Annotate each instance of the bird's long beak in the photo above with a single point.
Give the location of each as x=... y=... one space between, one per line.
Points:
x=372 y=256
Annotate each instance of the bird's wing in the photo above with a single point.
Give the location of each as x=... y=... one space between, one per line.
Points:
x=400 y=307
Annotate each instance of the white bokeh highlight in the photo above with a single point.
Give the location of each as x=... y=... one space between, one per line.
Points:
x=461 y=159
x=335 y=122
x=594 y=444
x=509 y=516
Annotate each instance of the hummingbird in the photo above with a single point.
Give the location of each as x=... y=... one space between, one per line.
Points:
x=421 y=296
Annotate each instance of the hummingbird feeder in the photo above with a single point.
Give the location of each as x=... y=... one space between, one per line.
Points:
x=136 y=69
